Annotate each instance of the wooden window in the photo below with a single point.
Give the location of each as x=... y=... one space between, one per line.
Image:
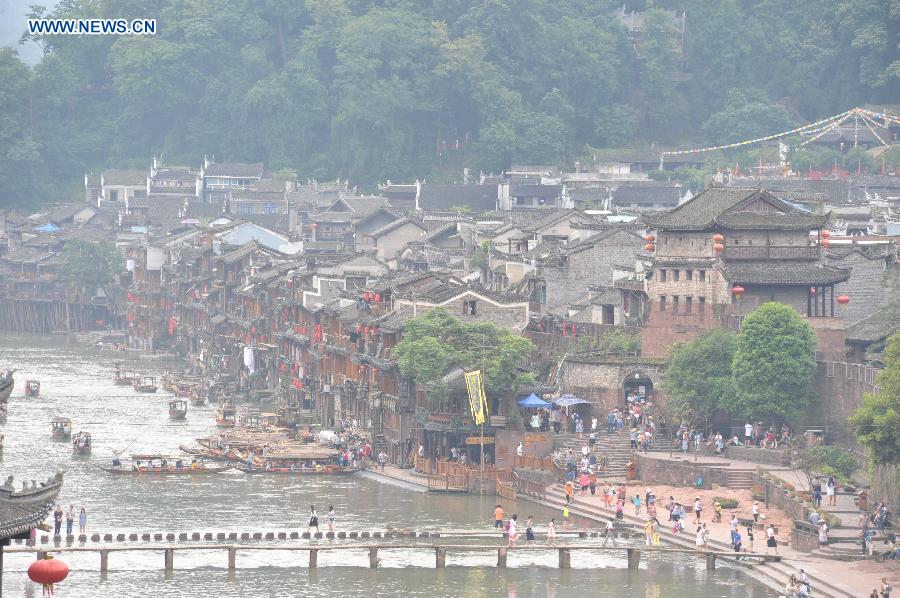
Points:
x=674 y=304
x=702 y=275
x=662 y=275
x=662 y=303
x=470 y=308
x=676 y=275
x=701 y=305
x=688 y=303
x=689 y=275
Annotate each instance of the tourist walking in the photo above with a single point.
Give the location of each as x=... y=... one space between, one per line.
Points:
x=565 y=515
x=498 y=517
x=610 y=532
x=698 y=509
x=529 y=530
x=750 y=536
x=511 y=531
x=551 y=532
x=698 y=542
x=313 y=519
x=755 y=511
x=382 y=459
x=830 y=490
x=636 y=501
x=70 y=519
x=648 y=532
x=57 y=520
x=823 y=534
x=817 y=492
x=771 y=540
x=331 y=519
x=82 y=521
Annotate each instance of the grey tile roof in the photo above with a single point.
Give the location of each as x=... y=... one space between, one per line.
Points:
x=884 y=322
x=478 y=198
x=709 y=207
x=783 y=274
x=234 y=169
x=22 y=510
x=132 y=178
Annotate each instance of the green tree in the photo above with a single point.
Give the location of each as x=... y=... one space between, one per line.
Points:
x=89 y=265
x=774 y=364
x=698 y=378
x=876 y=423
x=435 y=343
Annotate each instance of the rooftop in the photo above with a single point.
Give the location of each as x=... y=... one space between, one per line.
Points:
x=783 y=274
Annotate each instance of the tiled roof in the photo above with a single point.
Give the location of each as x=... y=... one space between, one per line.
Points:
x=22 y=510
x=396 y=224
x=784 y=274
x=556 y=216
x=529 y=190
x=709 y=207
x=626 y=195
x=884 y=322
x=234 y=169
x=132 y=178
x=364 y=205
x=447 y=291
x=478 y=198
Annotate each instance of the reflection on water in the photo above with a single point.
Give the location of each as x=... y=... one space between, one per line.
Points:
x=77 y=383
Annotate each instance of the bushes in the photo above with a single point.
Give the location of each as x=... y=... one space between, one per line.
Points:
x=829 y=461
x=727 y=503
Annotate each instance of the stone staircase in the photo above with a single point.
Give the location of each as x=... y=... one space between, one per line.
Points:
x=616 y=447
x=739 y=479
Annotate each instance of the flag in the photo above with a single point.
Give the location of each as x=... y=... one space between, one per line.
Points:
x=477 y=399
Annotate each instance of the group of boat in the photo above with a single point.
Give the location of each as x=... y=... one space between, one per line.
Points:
x=144 y=384
x=61 y=429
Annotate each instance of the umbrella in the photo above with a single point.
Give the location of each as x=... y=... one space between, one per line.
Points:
x=533 y=401
x=568 y=400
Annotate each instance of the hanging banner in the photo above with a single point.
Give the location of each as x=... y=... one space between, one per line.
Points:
x=477 y=399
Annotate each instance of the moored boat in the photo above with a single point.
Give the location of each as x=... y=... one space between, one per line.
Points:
x=7 y=382
x=164 y=465
x=303 y=461
x=145 y=384
x=32 y=388
x=177 y=408
x=61 y=428
x=226 y=415
x=81 y=443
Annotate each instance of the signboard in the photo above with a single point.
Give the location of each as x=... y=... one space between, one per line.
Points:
x=531 y=438
x=480 y=440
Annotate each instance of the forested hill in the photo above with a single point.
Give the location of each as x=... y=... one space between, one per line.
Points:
x=400 y=89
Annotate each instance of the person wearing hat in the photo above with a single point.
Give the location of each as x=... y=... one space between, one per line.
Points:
x=755 y=511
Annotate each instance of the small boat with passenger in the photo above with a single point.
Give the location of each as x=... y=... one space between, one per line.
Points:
x=122 y=378
x=163 y=465
x=226 y=416
x=32 y=388
x=177 y=409
x=146 y=384
x=312 y=460
x=81 y=443
x=61 y=428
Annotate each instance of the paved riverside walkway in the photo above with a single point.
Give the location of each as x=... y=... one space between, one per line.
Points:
x=829 y=577
x=404 y=478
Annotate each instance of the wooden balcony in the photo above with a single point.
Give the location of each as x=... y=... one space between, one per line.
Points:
x=771 y=252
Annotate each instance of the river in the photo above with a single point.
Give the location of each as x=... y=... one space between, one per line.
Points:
x=78 y=383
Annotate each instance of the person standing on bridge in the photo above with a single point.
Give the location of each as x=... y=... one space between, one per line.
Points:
x=70 y=519
x=529 y=531
x=313 y=519
x=82 y=521
x=57 y=520
x=551 y=532
x=512 y=531
x=498 y=517
x=331 y=519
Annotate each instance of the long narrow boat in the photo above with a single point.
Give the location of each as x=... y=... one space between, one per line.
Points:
x=145 y=384
x=164 y=465
x=304 y=461
x=6 y=384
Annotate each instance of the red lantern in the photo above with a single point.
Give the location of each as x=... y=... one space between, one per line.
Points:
x=48 y=571
x=718 y=247
x=843 y=299
x=564 y=327
x=825 y=234
x=650 y=238
x=738 y=290
x=649 y=247
x=377 y=297
x=314 y=225
x=812 y=290
x=718 y=238
x=574 y=330
x=825 y=242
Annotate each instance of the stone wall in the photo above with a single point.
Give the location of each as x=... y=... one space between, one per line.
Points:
x=840 y=387
x=867 y=288
x=886 y=487
x=601 y=381
x=686 y=473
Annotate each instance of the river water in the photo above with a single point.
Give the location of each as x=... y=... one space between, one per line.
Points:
x=77 y=383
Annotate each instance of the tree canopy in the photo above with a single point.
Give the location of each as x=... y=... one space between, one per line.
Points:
x=435 y=343
x=877 y=421
x=774 y=364
x=89 y=265
x=698 y=377
x=374 y=90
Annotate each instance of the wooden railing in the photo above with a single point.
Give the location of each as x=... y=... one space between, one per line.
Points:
x=448 y=481
x=539 y=463
x=530 y=488
x=507 y=491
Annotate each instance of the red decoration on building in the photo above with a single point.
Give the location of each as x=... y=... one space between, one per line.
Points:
x=718 y=247
x=650 y=238
x=377 y=297
x=825 y=242
x=812 y=290
x=314 y=225
x=718 y=238
x=842 y=299
x=649 y=247
x=825 y=233
x=738 y=290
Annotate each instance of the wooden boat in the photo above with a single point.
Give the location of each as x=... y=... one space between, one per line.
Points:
x=32 y=388
x=61 y=428
x=226 y=416
x=197 y=397
x=164 y=465
x=177 y=408
x=145 y=384
x=81 y=443
x=6 y=384
x=122 y=378
x=311 y=460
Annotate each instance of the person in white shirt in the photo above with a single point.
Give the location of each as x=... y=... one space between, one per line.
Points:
x=512 y=533
x=748 y=433
x=519 y=450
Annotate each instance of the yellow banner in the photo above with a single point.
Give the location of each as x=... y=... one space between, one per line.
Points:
x=477 y=400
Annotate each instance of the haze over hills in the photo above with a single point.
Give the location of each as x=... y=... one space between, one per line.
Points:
x=370 y=91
